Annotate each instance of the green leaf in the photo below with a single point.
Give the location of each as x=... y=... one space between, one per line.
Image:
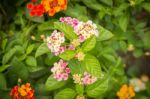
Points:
x=27 y=30
x=35 y=69
x=93 y=4
x=138 y=2
x=119 y=10
x=89 y=44
x=79 y=89
x=98 y=88
x=75 y=67
x=109 y=57
x=91 y=65
x=4 y=42
x=77 y=11
x=123 y=22
x=65 y=94
x=8 y=55
x=52 y=84
x=66 y=29
x=4 y=67
x=19 y=49
x=146 y=6
x=104 y=34
x=23 y=57
x=146 y=39
x=2 y=82
x=67 y=55
x=43 y=49
x=123 y=46
x=30 y=49
x=51 y=59
x=108 y=2
x=49 y=25
x=31 y=61
x=19 y=68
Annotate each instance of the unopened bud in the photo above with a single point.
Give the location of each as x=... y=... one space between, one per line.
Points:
x=19 y=80
x=80 y=56
x=80 y=97
x=33 y=37
x=42 y=37
x=130 y=47
x=147 y=53
x=144 y=78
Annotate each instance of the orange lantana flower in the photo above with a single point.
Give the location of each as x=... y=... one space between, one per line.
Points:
x=126 y=92
x=22 y=92
x=54 y=6
x=49 y=6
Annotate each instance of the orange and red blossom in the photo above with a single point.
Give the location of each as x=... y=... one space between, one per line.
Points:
x=14 y=92
x=54 y=6
x=126 y=92
x=49 y=6
x=35 y=10
x=22 y=92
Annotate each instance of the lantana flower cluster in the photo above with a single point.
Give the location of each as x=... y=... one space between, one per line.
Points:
x=60 y=70
x=86 y=79
x=84 y=30
x=46 y=6
x=139 y=83
x=73 y=22
x=35 y=10
x=126 y=92
x=55 y=41
x=22 y=92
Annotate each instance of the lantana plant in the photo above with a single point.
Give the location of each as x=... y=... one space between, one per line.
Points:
x=75 y=43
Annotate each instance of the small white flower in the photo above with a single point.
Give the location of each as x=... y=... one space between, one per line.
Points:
x=55 y=41
x=86 y=29
x=138 y=84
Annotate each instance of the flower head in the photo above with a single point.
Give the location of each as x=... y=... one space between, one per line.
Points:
x=80 y=56
x=54 y=42
x=126 y=92
x=35 y=9
x=14 y=92
x=77 y=78
x=22 y=92
x=54 y=6
x=50 y=6
x=85 y=79
x=144 y=78
x=88 y=79
x=75 y=42
x=85 y=30
x=73 y=22
x=138 y=84
x=60 y=70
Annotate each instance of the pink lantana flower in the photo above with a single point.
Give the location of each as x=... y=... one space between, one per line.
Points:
x=60 y=70
x=55 y=41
